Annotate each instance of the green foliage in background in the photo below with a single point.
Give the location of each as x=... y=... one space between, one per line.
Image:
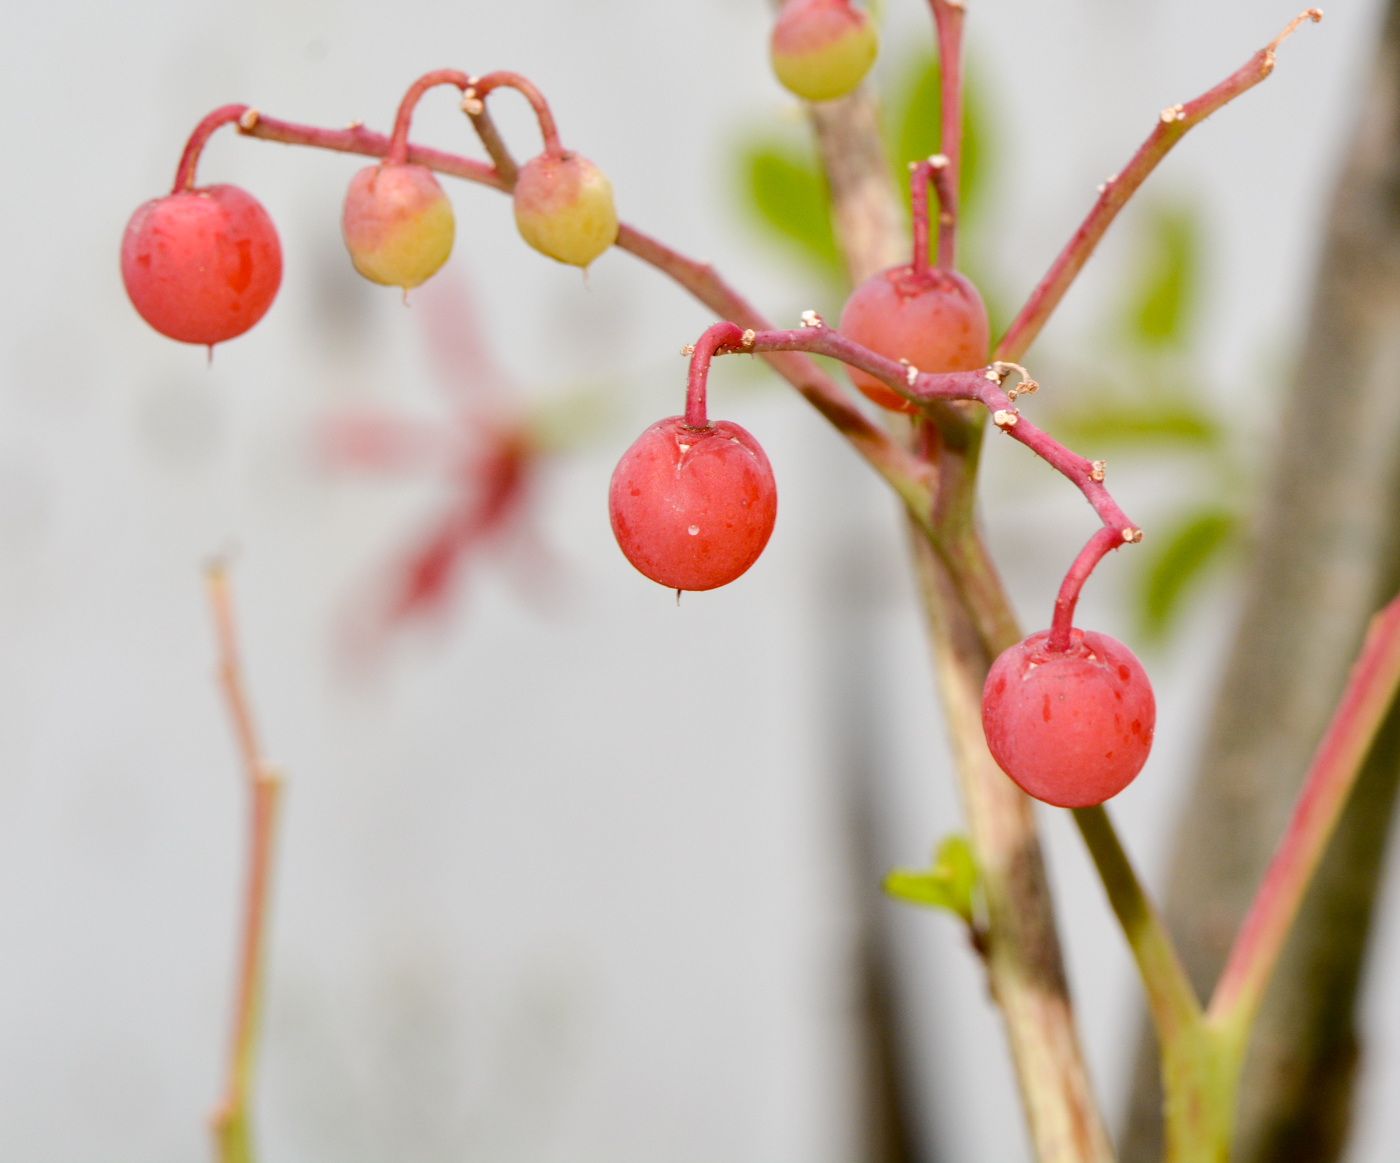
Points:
x=784 y=191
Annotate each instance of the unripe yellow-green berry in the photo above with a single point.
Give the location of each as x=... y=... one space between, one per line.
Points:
x=397 y=224
x=564 y=208
x=821 y=49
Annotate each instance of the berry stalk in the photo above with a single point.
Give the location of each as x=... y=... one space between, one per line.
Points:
x=483 y=86
x=715 y=337
x=398 y=139
x=1172 y=125
x=189 y=159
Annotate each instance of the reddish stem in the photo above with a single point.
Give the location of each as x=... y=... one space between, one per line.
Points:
x=1171 y=127
x=948 y=19
x=720 y=335
x=1370 y=690
x=497 y=80
x=189 y=160
x=398 y=140
x=1100 y=544
x=230 y=1117
x=933 y=172
x=984 y=386
x=358 y=139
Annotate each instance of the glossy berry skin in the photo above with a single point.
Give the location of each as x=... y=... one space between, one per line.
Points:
x=202 y=266
x=934 y=319
x=693 y=508
x=821 y=49
x=397 y=224
x=1072 y=728
x=564 y=208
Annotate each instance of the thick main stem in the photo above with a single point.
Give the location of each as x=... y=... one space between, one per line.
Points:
x=970 y=622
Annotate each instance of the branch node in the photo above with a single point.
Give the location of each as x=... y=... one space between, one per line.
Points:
x=1174 y=113
x=1131 y=535
x=938 y=161
x=1097 y=468
x=354 y=125
x=472 y=105
x=911 y=374
x=688 y=350
x=248 y=120
x=747 y=338
x=812 y=319
x=1004 y=420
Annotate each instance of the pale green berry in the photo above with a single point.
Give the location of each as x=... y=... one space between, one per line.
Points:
x=397 y=224
x=821 y=49
x=564 y=208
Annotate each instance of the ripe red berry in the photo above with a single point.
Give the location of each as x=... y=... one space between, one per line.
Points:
x=202 y=266
x=693 y=508
x=1072 y=728
x=397 y=224
x=564 y=207
x=934 y=319
x=822 y=48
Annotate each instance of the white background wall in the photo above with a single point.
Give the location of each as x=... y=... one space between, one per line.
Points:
x=562 y=878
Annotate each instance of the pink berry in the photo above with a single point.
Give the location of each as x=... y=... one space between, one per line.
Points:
x=397 y=224
x=564 y=208
x=1072 y=728
x=693 y=508
x=202 y=266
x=822 y=48
x=935 y=320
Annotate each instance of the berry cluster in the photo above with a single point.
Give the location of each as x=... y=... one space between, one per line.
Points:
x=1068 y=715
x=203 y=265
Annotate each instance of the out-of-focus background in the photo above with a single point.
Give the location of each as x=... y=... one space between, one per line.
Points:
x=567 y=872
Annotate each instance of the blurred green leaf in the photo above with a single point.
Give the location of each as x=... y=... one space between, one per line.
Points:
x=1168 y=279
x=947 y=885
x=915 y=132
x=1109 y=422
x=1186 y=552
x=788 y=193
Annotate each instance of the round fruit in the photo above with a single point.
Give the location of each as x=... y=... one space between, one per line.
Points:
x=1072 y=727
x=397 y=224
x=693 y=508
x=934 y=319
x=822 y=48
x=202 y=266
x=564 y=207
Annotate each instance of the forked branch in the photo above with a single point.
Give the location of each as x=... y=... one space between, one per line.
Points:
x=231 y=1118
